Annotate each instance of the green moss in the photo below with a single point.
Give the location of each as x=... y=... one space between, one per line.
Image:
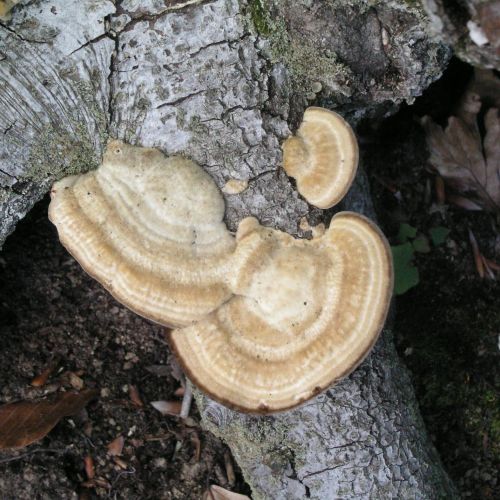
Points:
x=306 y=65
x=70 y=150
x=57 y=154
x=260 y=17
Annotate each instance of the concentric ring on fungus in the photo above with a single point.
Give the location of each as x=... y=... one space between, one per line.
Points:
x=322 y=157
x=149 y=228
x=305 y=314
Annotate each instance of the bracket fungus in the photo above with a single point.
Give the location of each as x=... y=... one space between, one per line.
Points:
x=263 y=321
x=305 y=313
x=322 y=157
x=150 y=229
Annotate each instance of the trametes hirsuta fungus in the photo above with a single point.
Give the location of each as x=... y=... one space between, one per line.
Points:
x=264 y=321
x=150 y=229
x=322 y=157
x=305 y=313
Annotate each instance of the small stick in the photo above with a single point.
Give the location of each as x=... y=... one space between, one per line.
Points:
x=187 y=399
x=477 y=255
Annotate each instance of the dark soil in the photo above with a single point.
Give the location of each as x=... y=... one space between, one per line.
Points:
x=50 y=310
x=447 y=328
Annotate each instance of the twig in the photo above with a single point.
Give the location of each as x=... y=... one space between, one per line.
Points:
x=185 y=409
x=186 y=400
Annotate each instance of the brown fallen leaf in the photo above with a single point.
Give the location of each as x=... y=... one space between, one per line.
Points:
x=89 y=467
x=487 y=268
x=478 y=258
x=440 y=191
x=120 y=463
x=492 y=264
x=179 y=392
x=115 y=448
x=468 y=163
x=25 y=422
x=218 y=493
x=228 y=462
x=195 y=439
x=41 y=379
x=97 y=482
x=134 y=395
x=168 y=407
x=467 y=159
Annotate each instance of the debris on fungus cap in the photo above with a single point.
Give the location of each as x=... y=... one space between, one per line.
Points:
x=322 y=157
x=305 y=314
x=150 y=229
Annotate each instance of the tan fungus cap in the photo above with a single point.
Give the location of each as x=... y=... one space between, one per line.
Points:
x=150 y=229
x=305 y=313
x=322 y=157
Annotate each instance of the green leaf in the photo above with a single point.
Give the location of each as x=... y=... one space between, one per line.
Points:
x=406 y=232
x=421 y=244
x=405 y=273
x=438 y=235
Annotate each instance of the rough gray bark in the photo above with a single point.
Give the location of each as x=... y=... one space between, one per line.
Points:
x=470 y=26
x=197 y=78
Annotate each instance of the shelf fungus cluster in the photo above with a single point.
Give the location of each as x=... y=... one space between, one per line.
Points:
x=263 y=321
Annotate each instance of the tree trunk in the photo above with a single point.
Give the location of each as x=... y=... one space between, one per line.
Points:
x=220 y=82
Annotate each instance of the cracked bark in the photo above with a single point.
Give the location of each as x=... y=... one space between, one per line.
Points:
x=194 y=78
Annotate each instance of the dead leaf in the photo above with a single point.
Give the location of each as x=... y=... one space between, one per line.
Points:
x=41 y=379
x=440 y=191
x=492 y=264
x=115 y=448
x=218 y=493
x=487 y=268
x=134 y=395
x=89 y=467
x=168 y=407
x=478 y=259
x=120 y=463
x=462 y=202
x=489 y=19
x=228 y=462
x=195 y=439
x=179 y=392
x=468 y=160
x=25 y=422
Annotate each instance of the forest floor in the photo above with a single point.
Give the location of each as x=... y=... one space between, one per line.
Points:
x=53 y=315
x=447 y=327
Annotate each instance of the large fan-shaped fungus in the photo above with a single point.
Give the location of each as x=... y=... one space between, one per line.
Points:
x=322 y=157
x=305 y=313
x=150 y=229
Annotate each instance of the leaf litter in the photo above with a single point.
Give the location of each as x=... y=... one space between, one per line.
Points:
x=467 y=152
x=25 y=422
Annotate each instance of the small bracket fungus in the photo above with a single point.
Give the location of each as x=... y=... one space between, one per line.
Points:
x=150 y=229
x=322 y=157
x=305 y=313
